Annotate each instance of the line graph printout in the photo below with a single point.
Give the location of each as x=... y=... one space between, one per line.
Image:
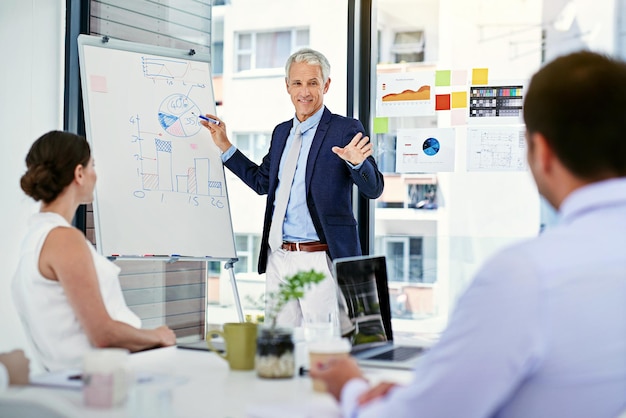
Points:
x=405 y=94
x=496 y=148
x=425 y=150
x=161 y=186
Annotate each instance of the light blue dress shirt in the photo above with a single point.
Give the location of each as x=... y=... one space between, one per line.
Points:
x=540 y=332
x=298 y=225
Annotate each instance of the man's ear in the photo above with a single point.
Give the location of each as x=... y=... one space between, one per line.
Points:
x=326 y=85
x=543 y=153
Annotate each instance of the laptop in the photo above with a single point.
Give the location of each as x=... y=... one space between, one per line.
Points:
x=200 y=344
x=366 y=314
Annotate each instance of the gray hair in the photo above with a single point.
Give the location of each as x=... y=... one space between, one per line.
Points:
x=311 y=57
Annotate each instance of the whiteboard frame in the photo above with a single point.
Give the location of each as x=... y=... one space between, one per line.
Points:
x=116 y=44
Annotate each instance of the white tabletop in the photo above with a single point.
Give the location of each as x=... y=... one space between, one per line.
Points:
x=192 y=383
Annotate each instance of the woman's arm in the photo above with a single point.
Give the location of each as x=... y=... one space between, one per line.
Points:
x=66 y=257
x=14 y=369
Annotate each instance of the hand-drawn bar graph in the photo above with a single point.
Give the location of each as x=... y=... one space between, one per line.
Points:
x=157 y=174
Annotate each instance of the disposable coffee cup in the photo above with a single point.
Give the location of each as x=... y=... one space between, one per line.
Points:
x=105 y=378
x=321 y=352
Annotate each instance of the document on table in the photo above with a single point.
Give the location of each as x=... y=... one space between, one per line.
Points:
x=72 y=379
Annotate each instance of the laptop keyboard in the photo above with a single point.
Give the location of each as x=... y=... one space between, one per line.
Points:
x=400 y=353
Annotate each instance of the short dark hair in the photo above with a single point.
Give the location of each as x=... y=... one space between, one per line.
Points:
x=578 y=103
x=50 y=164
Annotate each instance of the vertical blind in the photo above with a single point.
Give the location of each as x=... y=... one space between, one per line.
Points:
x=174 y=294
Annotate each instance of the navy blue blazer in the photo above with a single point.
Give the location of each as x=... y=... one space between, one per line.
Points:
x=329 y=182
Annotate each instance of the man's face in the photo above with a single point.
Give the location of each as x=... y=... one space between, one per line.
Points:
x=306 y=88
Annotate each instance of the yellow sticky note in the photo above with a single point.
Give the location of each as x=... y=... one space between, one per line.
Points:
x=459 y=99
x=381 y=125
x=480 y=76
x=442 y=78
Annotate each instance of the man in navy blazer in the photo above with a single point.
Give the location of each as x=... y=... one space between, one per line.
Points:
x=319 y=223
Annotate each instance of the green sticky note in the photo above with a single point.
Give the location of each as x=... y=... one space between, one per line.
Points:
x=442 y=77
x=381 y=125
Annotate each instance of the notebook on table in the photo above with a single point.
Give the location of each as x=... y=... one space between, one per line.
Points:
x=363 y=282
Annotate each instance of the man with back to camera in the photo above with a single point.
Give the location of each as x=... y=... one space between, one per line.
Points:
x=541 y=331
x=318 y=224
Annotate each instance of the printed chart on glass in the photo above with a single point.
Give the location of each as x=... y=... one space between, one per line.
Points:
x=425 y=150
x=405 y=94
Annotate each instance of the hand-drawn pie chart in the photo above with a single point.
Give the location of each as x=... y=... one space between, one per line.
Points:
x=176 y=116
x=431 y=146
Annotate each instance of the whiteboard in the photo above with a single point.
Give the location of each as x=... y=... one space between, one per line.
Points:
x=161 y=189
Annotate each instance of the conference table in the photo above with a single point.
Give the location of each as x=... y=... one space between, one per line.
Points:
x=197 y=383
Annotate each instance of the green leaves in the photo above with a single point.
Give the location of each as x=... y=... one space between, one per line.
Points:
x=292 y=288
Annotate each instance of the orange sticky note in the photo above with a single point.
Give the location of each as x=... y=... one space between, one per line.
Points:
x=442 y=102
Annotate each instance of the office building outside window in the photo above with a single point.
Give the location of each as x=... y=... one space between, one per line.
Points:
x=266 y=50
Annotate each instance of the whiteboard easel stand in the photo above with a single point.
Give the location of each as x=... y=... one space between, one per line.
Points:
x=231 y=270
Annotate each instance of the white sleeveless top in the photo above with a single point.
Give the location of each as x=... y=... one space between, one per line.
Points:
x=48 y=318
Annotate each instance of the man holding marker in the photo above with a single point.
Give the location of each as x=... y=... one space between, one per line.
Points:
x=331 y=154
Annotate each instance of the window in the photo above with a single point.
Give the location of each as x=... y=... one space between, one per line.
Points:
x=248 y=246
x=217 y=47
x=185 y=25
x=408 y=47
x=404 y=258
x=436 y=232
x=265 y=50
x=253 y=145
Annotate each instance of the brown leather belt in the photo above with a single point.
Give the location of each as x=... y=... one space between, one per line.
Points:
x=304 y=246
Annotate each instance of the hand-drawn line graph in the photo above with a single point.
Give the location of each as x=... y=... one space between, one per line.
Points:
x=172 y=69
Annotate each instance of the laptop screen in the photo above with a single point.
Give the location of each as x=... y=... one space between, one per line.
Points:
x=363 y=283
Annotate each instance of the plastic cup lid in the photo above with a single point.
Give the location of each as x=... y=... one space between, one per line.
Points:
x=333 y=345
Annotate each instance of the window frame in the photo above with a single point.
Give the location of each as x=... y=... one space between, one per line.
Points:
x=252 y=51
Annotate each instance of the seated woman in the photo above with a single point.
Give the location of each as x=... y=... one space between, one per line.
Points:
x=67 y=295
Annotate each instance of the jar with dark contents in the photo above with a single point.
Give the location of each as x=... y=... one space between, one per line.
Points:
x=275 y=357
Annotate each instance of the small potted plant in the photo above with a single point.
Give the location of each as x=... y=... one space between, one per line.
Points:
x=275 y=347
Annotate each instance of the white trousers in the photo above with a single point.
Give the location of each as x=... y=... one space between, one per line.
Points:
x=321 y=298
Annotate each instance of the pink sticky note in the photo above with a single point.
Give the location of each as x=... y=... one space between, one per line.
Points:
x=98 y=83
x=458 y=117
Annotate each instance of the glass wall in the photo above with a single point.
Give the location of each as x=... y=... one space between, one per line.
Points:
x=448 y=80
